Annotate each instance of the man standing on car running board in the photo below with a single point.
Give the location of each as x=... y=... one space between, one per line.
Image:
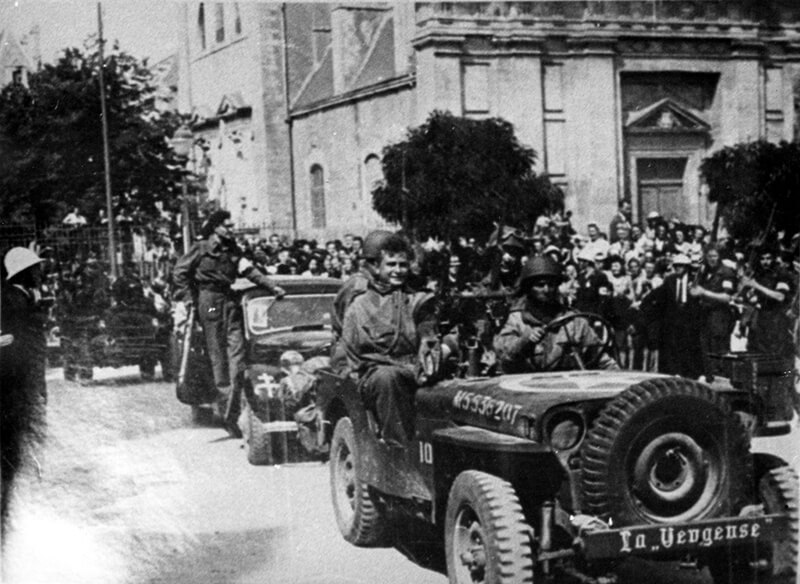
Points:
x=204 y=276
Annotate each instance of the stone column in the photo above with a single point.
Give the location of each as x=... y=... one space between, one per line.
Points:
x=277 y=141
x=438 y=82
x=591 y=137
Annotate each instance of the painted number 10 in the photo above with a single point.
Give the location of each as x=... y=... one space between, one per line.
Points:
x=425 y=453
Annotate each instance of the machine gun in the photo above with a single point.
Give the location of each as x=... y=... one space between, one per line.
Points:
x=468 y=322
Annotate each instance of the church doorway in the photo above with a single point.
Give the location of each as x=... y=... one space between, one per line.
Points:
x=661 y=187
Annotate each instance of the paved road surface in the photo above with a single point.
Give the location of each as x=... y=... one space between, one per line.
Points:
x=129 y=492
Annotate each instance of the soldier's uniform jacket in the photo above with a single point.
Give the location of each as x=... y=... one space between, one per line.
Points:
x=771 y=329
x=212 y=266
x=718 y=280
x=517 y=354
x=385 y=327
x=353 y=287
x=774 y=280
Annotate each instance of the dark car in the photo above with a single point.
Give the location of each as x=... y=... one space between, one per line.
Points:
x=296 y=327
x=287 y=340
x=557 y=477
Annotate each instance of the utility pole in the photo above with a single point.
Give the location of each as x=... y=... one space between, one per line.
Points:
x=112 y=244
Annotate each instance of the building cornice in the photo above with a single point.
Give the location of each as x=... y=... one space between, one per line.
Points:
x=529 y=36
x=355 y=95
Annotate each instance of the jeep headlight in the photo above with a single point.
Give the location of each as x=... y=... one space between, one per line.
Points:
x=565 y=430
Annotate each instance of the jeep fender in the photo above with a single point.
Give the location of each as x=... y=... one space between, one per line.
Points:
x=337 y=397
x=532 y=469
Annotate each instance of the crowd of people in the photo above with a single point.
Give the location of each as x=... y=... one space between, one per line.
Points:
x=671 y=291
x=673 y=294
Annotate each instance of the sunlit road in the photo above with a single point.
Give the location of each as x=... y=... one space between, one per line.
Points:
x=130 y=492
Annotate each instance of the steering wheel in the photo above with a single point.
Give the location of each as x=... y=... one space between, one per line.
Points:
x=584 y=359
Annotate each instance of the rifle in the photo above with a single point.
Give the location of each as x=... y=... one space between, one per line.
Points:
x=747 y=311
x=181 y=388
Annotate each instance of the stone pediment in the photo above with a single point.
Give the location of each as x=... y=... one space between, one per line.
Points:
x=665 y=115
x=232 y=104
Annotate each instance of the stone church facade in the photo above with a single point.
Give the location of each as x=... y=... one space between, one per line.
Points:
x=619 y=99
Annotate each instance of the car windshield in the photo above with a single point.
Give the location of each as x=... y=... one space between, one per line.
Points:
x=265 y=313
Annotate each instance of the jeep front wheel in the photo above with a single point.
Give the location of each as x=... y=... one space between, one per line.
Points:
x=358 y=514
x=665 y=450
x=487 y=539
x=772 y=562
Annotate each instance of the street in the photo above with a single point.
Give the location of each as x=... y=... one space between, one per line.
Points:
x=131 y=492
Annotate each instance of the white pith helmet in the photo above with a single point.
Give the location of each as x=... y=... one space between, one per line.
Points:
x=19 y=259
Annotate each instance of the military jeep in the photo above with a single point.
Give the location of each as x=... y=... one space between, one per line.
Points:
x=563 y=476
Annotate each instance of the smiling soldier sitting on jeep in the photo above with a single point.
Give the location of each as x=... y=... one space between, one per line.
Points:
x=541 y=334
x=382 y=336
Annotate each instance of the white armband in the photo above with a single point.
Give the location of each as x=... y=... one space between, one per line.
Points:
x=243 y=265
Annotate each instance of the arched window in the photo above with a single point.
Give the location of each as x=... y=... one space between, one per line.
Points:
x=201 y=26
x=373 y=173
x=219 y=22
x=237 y=19
x=317 y=197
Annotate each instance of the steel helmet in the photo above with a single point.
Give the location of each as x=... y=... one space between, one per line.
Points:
x=540 y=267
x=373 y=242
x=19 y=259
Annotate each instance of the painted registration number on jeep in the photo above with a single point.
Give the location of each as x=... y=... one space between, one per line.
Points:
x=486 y=406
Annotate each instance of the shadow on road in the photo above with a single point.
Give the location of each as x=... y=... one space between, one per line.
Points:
x=209 y=558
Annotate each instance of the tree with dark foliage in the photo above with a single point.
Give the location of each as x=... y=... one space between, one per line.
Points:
x=755 y=185
x=455 y=176
x=50 y=135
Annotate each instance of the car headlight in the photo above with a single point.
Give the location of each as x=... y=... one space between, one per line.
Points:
x=565 y=430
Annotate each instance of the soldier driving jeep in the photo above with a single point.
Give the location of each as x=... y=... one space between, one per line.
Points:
x=540 y=334
x=555 y=473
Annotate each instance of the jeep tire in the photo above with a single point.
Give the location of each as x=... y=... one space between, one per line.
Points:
x=773 y=562
x=359 y=516
x=665 y=450
x=486 y=536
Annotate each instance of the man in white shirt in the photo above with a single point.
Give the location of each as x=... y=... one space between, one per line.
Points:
x=597 y=245
x=74 y=219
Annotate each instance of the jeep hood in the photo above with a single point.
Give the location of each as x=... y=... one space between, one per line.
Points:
x=575 y=385
x=503 y=403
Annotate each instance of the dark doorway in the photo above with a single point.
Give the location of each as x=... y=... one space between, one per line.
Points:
x=661 y=187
